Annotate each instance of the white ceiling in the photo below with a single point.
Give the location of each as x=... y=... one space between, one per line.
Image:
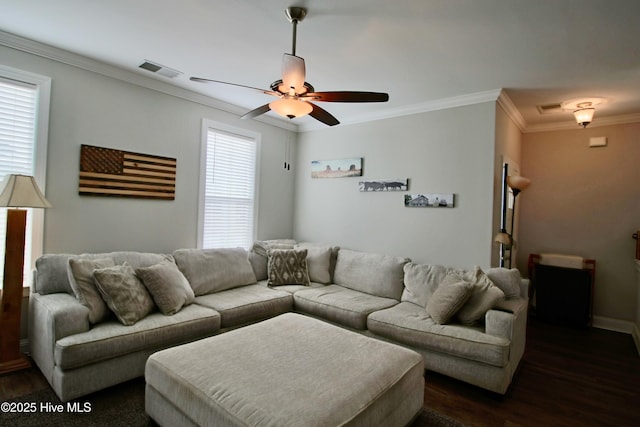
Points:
x=422 y=52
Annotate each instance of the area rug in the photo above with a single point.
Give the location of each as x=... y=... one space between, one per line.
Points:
x=121 y=405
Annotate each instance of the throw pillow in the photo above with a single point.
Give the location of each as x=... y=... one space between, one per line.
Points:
x=508 y=280
x=449 y=296
x=80 y=272
x=484 y=296
x=167 y=285
x=288 y=267
x=318 y=263
x=124 y=293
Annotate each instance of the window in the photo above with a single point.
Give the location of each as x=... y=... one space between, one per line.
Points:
x=227 y=187
x=24 y=118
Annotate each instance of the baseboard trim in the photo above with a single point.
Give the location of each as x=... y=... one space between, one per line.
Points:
x=617 y=325
x=611 y=324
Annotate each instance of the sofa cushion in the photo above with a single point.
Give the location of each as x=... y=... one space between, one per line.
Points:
x=450 y=295
x=411 y=325
x=288 y=267
x=167 y=285
x=508 y=280
x=80 y=273
x=111 y=339
x=340 y=305
x=485 y=295
x=375 y=274
x=247 y=304
x=214 y=270
x=321 y=260
x=124 y=293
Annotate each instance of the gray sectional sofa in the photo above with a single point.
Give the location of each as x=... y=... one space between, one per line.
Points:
x=199 y=293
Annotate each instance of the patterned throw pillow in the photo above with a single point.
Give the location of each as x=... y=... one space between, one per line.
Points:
x=288 y=267
x=124 y=293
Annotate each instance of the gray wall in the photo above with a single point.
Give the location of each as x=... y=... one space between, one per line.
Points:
x=447 y=151
x=89 y=108
x=585 y=201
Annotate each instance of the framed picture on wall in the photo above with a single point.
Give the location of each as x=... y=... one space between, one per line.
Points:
x=384 y=185
x=342 y=168
x=429 y=200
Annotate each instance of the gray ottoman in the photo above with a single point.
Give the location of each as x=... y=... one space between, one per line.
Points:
x=290 y=370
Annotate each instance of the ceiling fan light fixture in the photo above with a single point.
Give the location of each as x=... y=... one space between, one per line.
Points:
x=291 y=108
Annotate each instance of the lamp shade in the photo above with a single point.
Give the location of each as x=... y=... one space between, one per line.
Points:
x=584 y=116
x=21 y=191
x=518 y=183
x=291 y=108
x=503 y=238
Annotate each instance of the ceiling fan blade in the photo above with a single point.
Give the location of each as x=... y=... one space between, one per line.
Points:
x=202 y=80
x=348 y=96
x=323 y=115
x=293 y=73
x=256 y=112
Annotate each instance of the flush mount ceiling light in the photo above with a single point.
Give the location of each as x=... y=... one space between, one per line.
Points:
x=584 y=115
x=583 y=109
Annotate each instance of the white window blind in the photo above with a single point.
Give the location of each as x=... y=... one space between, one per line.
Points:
x=18 y=106
x=229 y=190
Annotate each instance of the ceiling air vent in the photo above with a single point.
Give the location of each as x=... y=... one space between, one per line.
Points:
x=160 y=69
x=549 y=108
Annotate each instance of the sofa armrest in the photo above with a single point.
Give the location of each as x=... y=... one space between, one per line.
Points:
x=524 y=288
x=61 y=313
x=509 y=320
x=501 y=321
x=52 y=317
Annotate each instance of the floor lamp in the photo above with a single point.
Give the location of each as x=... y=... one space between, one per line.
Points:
x=20 y=191
x=517 y=185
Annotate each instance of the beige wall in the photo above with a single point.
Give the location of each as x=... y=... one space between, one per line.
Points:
x=447 y=151
x=586 y=201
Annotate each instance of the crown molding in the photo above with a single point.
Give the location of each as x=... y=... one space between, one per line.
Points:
x=510 y=109
x=69 y=58
x=423 y=107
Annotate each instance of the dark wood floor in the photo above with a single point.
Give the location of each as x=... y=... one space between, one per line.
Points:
x=568 y=377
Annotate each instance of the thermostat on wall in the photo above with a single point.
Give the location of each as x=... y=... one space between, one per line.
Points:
x=599 y=141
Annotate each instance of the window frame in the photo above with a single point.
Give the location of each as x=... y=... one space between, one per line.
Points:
x=208 y=124
x=41 y=141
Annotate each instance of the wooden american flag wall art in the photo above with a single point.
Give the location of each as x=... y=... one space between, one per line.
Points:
x=117 y=173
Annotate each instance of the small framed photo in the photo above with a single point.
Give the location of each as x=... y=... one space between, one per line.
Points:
x=336 y=168
x=384 y=185
x=430 y=200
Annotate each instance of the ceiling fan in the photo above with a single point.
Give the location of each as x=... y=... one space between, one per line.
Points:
x=294 y=93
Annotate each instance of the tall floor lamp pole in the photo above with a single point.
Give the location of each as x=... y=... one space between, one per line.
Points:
x=517 y=185
x=20 y=191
